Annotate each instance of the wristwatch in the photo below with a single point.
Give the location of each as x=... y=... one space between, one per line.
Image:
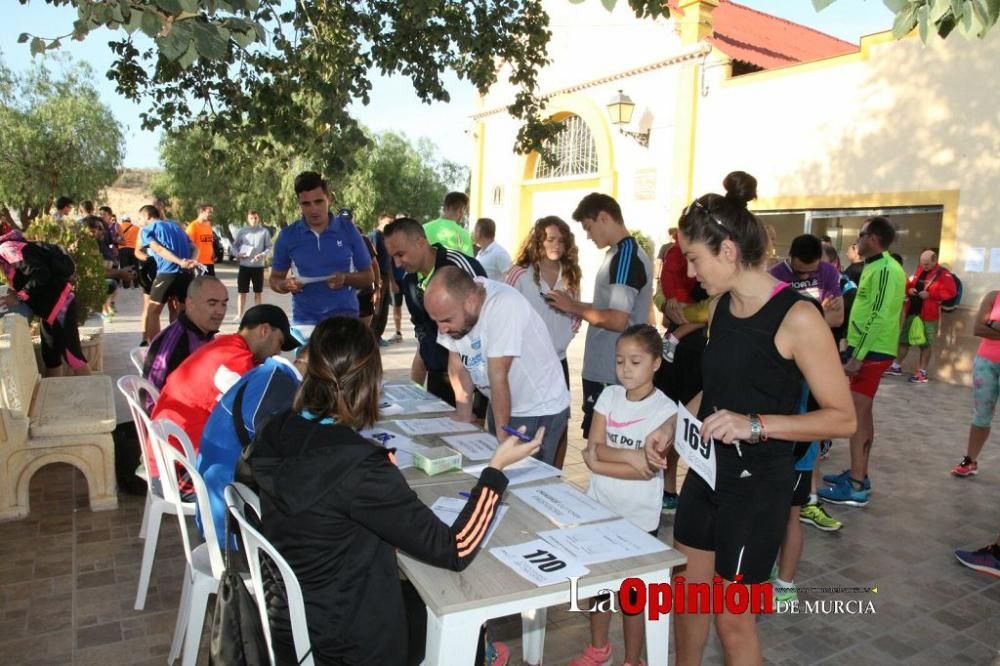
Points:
x=756 y=429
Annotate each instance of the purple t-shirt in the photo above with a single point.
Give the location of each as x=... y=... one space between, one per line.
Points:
x=821 y=285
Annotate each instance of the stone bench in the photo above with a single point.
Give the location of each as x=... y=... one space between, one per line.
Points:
x=51 y=420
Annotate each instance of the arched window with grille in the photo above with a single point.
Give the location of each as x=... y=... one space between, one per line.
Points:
x=575 y=151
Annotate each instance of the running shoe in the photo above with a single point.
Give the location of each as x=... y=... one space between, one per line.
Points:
x=396 y=339
x=594 y=656
x=967 y=467
x=844 y=493
x=383 y=343
x=785 y=594
x=984 y=560
x=835 y=479
x=815 y=515
x=919 y=377
x=669 y=503
x=894 y=370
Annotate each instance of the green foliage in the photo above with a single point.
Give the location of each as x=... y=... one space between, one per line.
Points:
x=390 y=174
x=645 y=242
x=278 y=73
x=56 y=138
x=89 y=285
x=973 y=18
x=395 y=176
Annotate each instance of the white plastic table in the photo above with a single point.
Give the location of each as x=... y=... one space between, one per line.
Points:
x=459 y=603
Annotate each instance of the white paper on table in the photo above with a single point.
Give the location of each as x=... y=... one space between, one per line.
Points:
x=403 y=459
x=405 y=392
x=540 y=563
x=474 y=446
x=309 y=280
x=604 y=542
x=448 y=508
x=389 y=409
x=696 y=452
x=435 y=426
x=425 y=407
x=392 y=440
x=564 y=505
x=525 y=471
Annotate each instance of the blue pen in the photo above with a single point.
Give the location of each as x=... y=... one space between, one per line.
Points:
x=462 y=493
x=520 y=435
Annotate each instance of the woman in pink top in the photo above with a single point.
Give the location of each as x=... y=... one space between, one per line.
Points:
x=985 y=381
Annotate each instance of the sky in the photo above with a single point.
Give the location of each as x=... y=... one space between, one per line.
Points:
x=394 y=105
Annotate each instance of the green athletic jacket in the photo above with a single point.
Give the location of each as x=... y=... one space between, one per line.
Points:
x=874 y=325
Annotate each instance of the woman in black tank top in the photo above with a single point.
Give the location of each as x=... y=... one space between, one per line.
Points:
x=763 y=340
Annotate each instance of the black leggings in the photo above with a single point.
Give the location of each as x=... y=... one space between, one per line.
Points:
x=61 y=340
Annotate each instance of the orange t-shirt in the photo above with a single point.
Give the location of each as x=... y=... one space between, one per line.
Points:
x=201 y=234
x=129 y=233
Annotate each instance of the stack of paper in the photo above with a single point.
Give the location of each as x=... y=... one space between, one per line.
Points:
x=540 y=563
x=526 y=471
x=564 y=505
x=604 y=542
x=441 y=424
x=474 y=446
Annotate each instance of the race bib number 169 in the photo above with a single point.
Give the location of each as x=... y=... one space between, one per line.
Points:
x=699 y=454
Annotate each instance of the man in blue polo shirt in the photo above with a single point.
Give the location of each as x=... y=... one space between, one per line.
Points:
x=320 y=245
x=171 y=249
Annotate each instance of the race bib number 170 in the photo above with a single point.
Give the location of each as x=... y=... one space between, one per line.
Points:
x=699 y=454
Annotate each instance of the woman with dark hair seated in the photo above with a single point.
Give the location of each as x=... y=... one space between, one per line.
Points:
x=337 y=508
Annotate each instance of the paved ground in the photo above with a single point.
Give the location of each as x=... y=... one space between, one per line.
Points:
x=68 y=576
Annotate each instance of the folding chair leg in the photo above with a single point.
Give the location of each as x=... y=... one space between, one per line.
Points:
x=145 y=516
x=195 y=623
x=148 y=554
x=183 y=611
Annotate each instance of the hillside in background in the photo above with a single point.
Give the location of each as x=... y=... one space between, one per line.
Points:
x=130 y=192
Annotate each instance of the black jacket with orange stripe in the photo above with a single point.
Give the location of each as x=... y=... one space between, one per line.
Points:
x=337 y=508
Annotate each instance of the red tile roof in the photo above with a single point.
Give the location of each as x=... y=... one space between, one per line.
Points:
x=768 y=41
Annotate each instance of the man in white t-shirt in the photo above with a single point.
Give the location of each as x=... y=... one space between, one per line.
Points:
x=498 y=344
x=491 y=255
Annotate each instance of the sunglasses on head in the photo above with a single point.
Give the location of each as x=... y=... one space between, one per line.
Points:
x=697 y=204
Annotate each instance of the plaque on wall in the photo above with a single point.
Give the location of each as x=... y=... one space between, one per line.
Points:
x=645 y=184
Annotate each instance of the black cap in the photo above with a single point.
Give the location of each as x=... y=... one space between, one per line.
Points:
x=276 y=317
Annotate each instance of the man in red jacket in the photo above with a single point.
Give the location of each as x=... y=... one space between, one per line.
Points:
x=193 y=389
x=926 y=289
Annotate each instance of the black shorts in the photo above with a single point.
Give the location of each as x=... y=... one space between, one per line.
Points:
x=169 y=285
x=591 y=392
x=146 y=274
x=397 y=299
x=248 y=275
x=366 y=308
x=209 y=269
x=802 y=488
x=743 y=520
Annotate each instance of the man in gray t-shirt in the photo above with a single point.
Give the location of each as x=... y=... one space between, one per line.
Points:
x=622 y=294
x=252 y=247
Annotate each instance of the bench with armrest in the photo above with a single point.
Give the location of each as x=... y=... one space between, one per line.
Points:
x=51 y=420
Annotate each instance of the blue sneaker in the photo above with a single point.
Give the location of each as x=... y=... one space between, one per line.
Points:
x=984 y=560
x=669 y=503
x=837 y=479
x=844 y=493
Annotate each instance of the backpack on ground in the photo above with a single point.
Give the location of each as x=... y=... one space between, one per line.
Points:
x=59 y=262
x=952 y=303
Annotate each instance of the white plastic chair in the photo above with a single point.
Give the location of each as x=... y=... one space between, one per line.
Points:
x=138 y=356
x=133 y=388
x=237 y=496
x=204 y=562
